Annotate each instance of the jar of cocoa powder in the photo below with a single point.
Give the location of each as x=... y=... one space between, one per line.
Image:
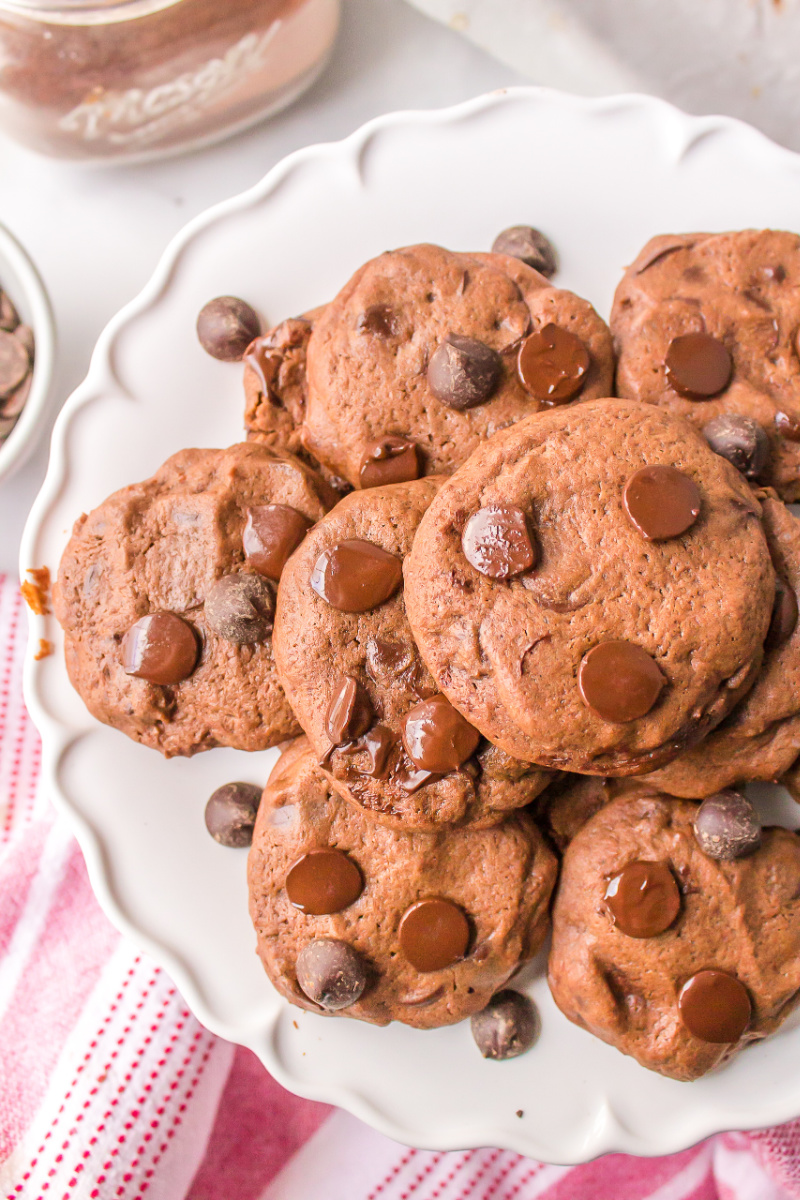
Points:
x=132 y=79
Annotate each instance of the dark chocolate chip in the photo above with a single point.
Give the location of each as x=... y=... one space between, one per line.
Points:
x=356 y=575
x=727 y=826
x=784 y=615
x=389 y=460
x=271 y=534
x=496 y=541
x=378 y=743
x=331 y=973
x=226 y=326
x=434 y=934
x=508 y=1026
x=161 y=648
x=529 y=245
x=715 y=1007
x=349 y=712
x=698 y=366
x=741 y=440
x=387 y=660
x=619 y=681
x=644 y=899
x=788 y=426
x=240 y=608
x=380 y=320
x=661 y=502
x=463 y=372
x=231 y=813
x=552 y=364
x=14 y=363
x=436 y=737
x=324 y=881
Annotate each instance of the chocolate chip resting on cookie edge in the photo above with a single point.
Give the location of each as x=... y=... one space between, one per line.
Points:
x=355 y=918
x=381 y=729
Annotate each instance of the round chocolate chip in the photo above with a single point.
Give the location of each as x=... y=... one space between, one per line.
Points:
x=727 y=826
x=698 y=366
x=497 y=542
x=356 y=575
x=529 y=245
x=331 y=973
x=619 y=681
x=741 y=440
x=508 y=1026
x=643 y=899
x=715 y=1007
x=231 y=813
x=661 y=502
x=240 y=607
x=434 y=934
x=161 y=648
x=226 y=326
x=552 y=364
x=463 y=372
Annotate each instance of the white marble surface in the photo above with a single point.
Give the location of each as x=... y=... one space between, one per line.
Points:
x=96 y=234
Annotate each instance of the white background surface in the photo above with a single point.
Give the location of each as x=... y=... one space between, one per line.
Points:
x=96 y=234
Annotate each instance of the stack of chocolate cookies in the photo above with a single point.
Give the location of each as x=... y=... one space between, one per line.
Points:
x=534 y=634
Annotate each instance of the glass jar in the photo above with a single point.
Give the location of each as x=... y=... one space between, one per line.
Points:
x=131 y=79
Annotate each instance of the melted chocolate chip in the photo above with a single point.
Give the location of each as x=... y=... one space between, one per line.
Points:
x=661 y=502
x=434 y=934
x=727 y=826
x=355 y=575
x=784 y=615
x=323 y=881
x=619 y=681
x=161 y=648
x=226 y=326
x=378 y=744
x=261 y=357
x=529 y=245
x=788 y=426
x=349 y=712
x=387 y=661
x=331 y=973
x=715 y=1007
x=698 y=366
x=380 y=320
x=741 y=440
x=496 y=541
x=463 y=372
x=436 y=737
x=644 y=899
x=410 y=777
x=389 y=460
x=239 y=608
x=507 y=1027
x=272 y=532
x=230 y=813
x=552 y=364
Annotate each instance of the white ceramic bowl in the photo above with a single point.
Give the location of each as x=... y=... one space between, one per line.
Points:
x=20 y=280
x=600 y=177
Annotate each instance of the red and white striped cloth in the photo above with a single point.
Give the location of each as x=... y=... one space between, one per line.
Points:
x=111 y=1090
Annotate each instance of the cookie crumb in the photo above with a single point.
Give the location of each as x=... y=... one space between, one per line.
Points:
x=520 y=1113
x=295 y=1024
x=44 y=651
x=36 y=592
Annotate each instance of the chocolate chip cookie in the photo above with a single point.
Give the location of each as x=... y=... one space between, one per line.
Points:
x=673 y=956
x=592 y=589
x=166 y=594
x=421 y=356
x=706 y=324
x=388 y=739
x=370 y=922
x=760 y=739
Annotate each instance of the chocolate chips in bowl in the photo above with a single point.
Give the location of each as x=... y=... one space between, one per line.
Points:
x=27 y=343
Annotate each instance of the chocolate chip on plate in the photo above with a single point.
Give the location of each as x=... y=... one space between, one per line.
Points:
x=741 y=440
x=226 y=326
x=529 y=245
x=507 y=1027
x=231 y=813
x=727 y=826
x=463 y=372
x=161 y=648
x=331 y=973
x=240 y=608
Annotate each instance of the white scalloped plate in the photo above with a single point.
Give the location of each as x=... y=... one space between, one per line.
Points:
x=600 y=176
